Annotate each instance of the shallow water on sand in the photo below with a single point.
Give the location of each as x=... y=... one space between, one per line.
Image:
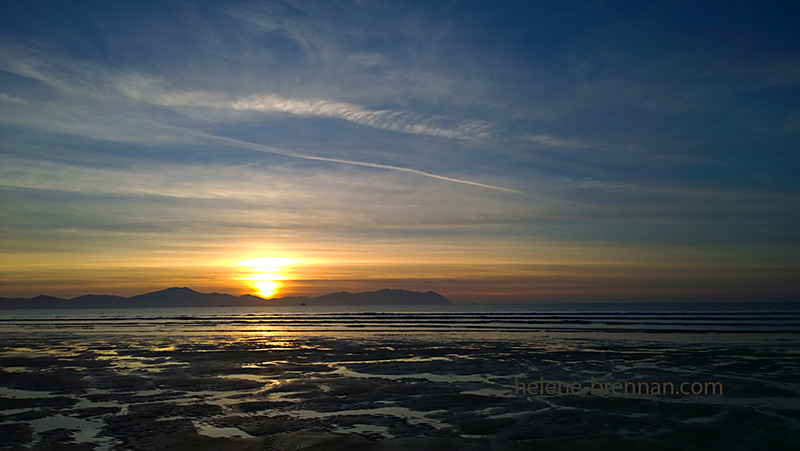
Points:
x=465 y=377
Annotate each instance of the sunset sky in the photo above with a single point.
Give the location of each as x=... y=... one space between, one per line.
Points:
x=491 y=151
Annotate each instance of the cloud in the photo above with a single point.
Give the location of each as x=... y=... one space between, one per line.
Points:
x=394 y=120
x=273 y=150
x=153 y=91
x=553 y=141
x=91 y=81
x=150 y=90
x=7 y=98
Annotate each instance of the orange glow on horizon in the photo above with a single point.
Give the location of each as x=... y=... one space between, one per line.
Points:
x=267 y=288
x=265 y=274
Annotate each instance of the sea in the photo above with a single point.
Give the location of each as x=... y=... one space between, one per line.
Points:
x=522 y=376
x=607 y=318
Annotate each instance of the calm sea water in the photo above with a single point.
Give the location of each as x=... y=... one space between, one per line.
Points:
x=720 y=318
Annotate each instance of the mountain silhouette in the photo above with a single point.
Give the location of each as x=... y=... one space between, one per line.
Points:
x=186 y=297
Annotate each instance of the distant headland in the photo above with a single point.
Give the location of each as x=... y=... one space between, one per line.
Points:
x=186 y=297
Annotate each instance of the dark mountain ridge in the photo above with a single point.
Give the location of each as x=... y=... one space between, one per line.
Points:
x=186 y=297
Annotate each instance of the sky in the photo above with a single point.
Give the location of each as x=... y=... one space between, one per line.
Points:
x=490 y=151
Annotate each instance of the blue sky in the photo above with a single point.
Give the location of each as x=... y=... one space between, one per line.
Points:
x=492 y=151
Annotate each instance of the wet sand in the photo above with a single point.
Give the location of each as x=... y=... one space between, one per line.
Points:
x=390 y=391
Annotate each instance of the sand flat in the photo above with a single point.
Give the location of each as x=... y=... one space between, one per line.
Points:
x=145 y=389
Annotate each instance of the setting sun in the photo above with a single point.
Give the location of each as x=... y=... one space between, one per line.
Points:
x=265 y=274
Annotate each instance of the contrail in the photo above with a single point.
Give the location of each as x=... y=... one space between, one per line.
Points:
x=273 y=150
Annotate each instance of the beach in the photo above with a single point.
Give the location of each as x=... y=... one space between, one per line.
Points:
x=81 y=381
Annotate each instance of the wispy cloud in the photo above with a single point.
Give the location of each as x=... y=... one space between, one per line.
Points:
x=554 y=141
x=335 y=124
x=93 y=81
x=152 y=91
x=7 y=98
x=288 y=153
x=394 y=120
